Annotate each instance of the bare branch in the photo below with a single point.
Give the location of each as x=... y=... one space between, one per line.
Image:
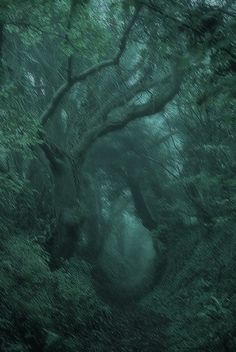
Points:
x=135 y=112
x=54 y=102
x=123 y=99
x=67 y=40
x=60 y=93
x=125 y=36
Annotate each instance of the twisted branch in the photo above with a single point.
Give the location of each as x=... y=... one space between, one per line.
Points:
x=60 y=93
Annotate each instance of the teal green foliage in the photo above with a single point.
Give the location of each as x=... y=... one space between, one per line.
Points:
x=19 y=129
x=40 y=307
x=88 y=36
x=185 y=184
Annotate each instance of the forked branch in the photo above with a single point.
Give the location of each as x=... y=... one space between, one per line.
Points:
x=154 y=106
x=60 y=93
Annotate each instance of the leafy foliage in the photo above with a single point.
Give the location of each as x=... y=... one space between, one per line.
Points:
x=117 y=176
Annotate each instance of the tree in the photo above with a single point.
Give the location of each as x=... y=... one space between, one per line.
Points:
x=117 y=117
